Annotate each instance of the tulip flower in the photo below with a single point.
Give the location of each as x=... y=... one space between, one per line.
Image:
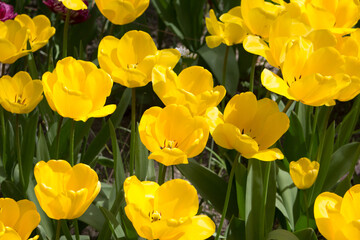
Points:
x=130 y=60
x=230 y=32
x=251 y=127
x=172 y=134
x=304 y=173
x=17 y=219
x=337 y=217
x=77 y=16
x=40 y=30
x=13 y=40
x=122 y=11
x=193 y=88
x=20 y=94
x=78 y=89
x=65 y=192
x=74 y=4
x=6 y=12
x=167 y=211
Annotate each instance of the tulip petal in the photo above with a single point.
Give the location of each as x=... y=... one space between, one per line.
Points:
x=29 y=218
x=169 y=156
x=271 y=154
x=275 y=84
x=10 y=212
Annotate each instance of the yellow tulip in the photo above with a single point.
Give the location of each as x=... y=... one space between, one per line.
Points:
x=337 y=217
x=251 y=127
x=20 y=94
x=65 y=192
x=17 y=219
x=130 y=60
x=74 y=4
x=122 y=11
x=193 y=88
x=172 y=134
x=13 y=40
x=304 y=173
x=167 y=211
x=78 y=90
x=230 y=32
x=40 y=30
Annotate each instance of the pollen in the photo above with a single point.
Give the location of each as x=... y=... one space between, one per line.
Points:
x=155 y=216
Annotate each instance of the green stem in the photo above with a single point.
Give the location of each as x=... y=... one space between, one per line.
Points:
x=58 y=228
x=18 y=151
x=313 y=135
x=133 y=130
x=58 y=137
x=72 y=136
x=76 y=225
x=65 y=229
x=211 y=153
x=306 y=208
x=65 y=35
x=227 y=197
x=162 y=173
x=3 y=128
x=252 y=73
x=224 y=73
x=265 y=193
x=32 y=66
x=288 y=105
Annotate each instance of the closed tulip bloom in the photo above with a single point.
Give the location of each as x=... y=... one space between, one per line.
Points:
x=40 y=30
x=77 y=16
x=13 y=40
x=17 y=219
x=65 y=192
x=122 y=11
x=193 y=88
x=130 y=60
x=78 y=89
x=6 y=12
x=74 y=4
x=167 y=211
x=304 y=173
x=172 y=134
x=337 y=217
x=20 y=94
x=251 y=127
x=230 y=32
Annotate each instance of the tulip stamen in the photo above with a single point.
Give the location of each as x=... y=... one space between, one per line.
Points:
x=155 y=216
x=169 y=144
x=19 y=100
x=132 y=66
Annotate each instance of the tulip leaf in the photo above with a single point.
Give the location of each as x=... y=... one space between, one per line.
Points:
x=81 y=237
x=102 y=137
x=114 y=225
x=10 y=190
x=286 y=196
x=28 y=146
x=215 y=60
x=236 y=229
x=281 y=234
x=141 y=159
x=93 y=217
x=209 y=185
x=340 y=163
x=306 y=234
x=346 y=127
x=240 y=180
x=326 y=149
x=42 y=149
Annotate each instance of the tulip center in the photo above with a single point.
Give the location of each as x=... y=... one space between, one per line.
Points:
x=155 y=216
x=169 y=144
x=132 y=66
x=19 y=100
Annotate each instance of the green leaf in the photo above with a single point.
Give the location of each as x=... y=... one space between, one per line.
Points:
x=42 y=149
x=82 y=237
x=286 y=196
x=240 y=180
x=236 y=229
x=340 y=163
x=306 y=234
x=215 y=60
x=28 y=146
x=10 y=190
x=141 y=159
x=210 y=186
x=102 y=137
x=281 y=234
x=114 y=225
x=93 y=217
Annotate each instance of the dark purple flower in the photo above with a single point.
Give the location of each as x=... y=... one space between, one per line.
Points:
x=6 y=12
x=75 y=16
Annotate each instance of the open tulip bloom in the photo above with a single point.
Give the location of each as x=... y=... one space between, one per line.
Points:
x=17 y=219
x=65 y=192
x=172 y=134
x=167 y=211
x=251 y=127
